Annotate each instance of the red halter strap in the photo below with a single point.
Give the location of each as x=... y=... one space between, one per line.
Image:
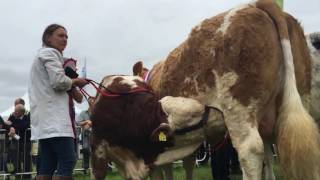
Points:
x=108 y=93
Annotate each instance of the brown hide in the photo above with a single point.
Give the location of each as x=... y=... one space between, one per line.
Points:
x=123 y=120
x=137 y=68
x=301 y=56
x=251 y=48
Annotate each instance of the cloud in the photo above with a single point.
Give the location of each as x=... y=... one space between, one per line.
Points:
x=111 y=35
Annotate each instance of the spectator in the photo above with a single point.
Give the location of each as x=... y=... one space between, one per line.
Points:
x=85 y=122
x=19 y=101
x=223 y=159
x=20 y=144
x=52 y=120
x=2 y=144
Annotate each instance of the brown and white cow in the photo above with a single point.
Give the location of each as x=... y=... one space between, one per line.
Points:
x=311 y=102
x=242 y=63
x=126 y=119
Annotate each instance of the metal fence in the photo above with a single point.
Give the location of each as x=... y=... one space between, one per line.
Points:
x=18 y=157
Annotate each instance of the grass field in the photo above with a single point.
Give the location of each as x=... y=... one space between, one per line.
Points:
x=200 y=173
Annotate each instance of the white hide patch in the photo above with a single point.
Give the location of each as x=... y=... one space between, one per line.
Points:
x=182 y=112
x=130 y=80
x=101 y=150
x=127 y=80
x=238 y=118
x=291 y=95
x=129 y=166
x=192 y=81
x=288 y=57
x=227 y=19
x=176 y=154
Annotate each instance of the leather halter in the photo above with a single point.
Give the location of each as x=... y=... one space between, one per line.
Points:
x=109 y=93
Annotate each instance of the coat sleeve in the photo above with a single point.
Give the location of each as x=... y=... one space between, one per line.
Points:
x=52 y=61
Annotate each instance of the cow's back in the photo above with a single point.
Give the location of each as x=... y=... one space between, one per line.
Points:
x=249 y=48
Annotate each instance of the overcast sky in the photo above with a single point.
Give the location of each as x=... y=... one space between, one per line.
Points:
x=110 y=34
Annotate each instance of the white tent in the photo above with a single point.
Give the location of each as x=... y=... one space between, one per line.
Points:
x=5 y=114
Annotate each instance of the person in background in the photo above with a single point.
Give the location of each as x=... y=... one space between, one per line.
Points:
x=85 y=123
x=2 y=144
x=52 y=120
x=224 y=161
x=19 y=101
x=20 y=145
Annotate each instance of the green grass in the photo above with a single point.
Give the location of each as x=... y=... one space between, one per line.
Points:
x=200 y=173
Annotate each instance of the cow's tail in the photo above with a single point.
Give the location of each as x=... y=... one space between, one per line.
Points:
x=297 y=134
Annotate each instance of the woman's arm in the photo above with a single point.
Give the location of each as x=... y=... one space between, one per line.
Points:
x=76 y=94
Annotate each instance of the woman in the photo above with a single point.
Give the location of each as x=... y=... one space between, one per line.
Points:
x=51 y=117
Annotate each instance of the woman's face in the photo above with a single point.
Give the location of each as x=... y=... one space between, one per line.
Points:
x=58 y=39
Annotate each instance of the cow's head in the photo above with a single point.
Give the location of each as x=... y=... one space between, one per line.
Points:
x=128 y=115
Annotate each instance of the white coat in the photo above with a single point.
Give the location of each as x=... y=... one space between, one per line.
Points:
x=49 y=108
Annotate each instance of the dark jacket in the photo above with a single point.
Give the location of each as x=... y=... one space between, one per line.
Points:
x=21 y=125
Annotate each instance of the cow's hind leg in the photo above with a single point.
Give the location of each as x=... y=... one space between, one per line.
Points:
x=268 y=162
x=247 y=141
x=99 y=164
x=188 y=165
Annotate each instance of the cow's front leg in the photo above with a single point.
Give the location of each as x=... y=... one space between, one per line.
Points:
x=188 y=165
x=247 y=141
x=99 y=163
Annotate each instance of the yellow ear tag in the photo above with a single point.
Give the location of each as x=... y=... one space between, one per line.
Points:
x=162 y=137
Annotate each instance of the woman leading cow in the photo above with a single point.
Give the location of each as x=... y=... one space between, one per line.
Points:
x=52 y=122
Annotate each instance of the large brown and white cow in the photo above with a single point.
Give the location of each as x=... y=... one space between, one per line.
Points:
x=311 y=102
x=240 y=62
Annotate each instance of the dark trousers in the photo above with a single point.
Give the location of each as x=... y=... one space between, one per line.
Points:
x=220 y=163
x=224 y=159
x=59 y=154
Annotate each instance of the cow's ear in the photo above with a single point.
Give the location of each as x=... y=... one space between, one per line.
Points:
x=137 y=68
x=163 y=134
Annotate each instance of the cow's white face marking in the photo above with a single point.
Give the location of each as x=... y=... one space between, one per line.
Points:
x=182 y=112
x=227 y=19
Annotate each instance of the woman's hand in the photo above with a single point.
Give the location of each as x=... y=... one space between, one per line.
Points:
x=12 y=132
x=79 y=82
x=87 y=124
